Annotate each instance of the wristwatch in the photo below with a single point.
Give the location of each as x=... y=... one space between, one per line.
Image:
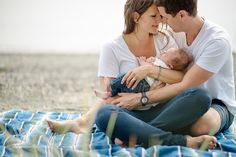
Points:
x=144 y=99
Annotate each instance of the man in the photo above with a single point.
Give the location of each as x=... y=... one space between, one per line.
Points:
x=213 y=63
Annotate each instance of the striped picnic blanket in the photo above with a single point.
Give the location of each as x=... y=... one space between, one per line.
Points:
x=26 y=134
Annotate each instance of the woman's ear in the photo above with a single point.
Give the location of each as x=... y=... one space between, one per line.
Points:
x=136 y=17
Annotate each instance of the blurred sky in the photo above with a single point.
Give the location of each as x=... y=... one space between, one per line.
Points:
x=80 y=26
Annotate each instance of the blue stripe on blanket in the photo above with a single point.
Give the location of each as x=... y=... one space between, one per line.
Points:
x=26 y=134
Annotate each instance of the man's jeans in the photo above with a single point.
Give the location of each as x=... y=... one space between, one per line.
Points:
x=149 y=126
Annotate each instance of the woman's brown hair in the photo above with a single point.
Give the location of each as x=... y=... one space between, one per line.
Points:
x=132 y=6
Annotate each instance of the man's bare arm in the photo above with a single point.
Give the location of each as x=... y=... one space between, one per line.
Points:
x=165 y=75
x=194 y=77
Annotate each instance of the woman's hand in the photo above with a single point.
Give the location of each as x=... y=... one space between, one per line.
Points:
x=134 y=76
x=128 y=100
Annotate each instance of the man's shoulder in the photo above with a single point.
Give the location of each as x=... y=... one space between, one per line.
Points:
x=215 y=31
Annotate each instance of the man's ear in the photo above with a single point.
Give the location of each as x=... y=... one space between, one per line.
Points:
x=182 y=14
x=136 y=17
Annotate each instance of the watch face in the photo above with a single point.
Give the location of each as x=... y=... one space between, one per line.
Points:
x=144 y=100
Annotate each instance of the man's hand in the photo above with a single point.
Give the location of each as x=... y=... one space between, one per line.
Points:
x=157 y=85
x=129 y=101
x=110 y=99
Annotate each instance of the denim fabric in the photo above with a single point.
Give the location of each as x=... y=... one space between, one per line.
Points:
x=180 y=112
x=226 y=117
x=117 y=87
x=173 y=115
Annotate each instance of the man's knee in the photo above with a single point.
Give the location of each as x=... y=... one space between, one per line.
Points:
x=201 y=98
x=209 y=123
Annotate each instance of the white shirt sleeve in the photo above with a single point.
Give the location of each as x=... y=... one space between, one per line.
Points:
x=108 y=64
x=214 y=56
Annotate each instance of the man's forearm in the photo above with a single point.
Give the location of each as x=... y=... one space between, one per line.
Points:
x=164 y=93
x=165 y=75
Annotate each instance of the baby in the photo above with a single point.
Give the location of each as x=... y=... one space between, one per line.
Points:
x=173 y=58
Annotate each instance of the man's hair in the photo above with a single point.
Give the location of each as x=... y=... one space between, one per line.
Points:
x=131 y=6
x=174 y=6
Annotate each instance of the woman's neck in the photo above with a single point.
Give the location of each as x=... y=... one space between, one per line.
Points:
x=141 y=38
x=140 y=45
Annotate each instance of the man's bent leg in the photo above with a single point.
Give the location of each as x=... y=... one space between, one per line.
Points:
x=209 y=123
x=127 y=126
x=216 y=119
x=182 y=110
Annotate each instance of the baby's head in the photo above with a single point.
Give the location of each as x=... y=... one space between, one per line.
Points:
x=176 y=58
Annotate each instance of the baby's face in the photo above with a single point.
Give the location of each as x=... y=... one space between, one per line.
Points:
x=170 y=57
x=173 y=58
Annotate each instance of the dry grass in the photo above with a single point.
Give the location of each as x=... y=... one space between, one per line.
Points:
x=48 y=82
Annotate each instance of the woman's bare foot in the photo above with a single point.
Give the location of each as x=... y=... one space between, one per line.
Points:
x=202 y=142
x=75 y=125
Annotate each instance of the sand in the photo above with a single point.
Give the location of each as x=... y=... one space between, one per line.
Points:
x=48 y=82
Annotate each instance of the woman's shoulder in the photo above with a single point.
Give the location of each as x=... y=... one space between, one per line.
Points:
x=116 y=47
x=114 y=42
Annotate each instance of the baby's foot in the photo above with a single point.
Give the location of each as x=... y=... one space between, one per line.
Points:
x=76 y=125
x=202 y=142
x=101 y=94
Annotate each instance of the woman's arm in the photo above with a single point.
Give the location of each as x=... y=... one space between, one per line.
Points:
x=105 y=83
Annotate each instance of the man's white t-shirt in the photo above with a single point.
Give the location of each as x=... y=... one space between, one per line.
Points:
x=212 y=51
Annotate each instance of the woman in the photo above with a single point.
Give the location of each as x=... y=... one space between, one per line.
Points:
x=140 y=38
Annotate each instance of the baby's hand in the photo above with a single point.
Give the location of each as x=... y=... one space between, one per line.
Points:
x=150 y=59
x=142 y=60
